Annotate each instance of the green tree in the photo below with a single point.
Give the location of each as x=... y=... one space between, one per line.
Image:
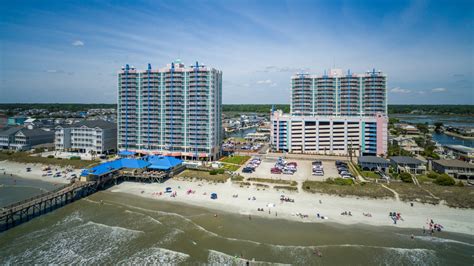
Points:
x=406 y=177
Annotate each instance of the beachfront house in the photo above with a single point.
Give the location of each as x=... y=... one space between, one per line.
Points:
x=88 y=136
x=7 y=137
x=408 y=164
x=26 y=139
x=372 y=163
x=460 y=152
x=454 y=168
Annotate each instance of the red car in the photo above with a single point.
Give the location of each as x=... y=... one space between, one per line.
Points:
x=275 y=170
x=292 y=163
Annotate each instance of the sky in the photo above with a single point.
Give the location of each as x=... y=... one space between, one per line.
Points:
x=71 y=51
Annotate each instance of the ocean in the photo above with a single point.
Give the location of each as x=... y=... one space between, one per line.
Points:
x=117 y=228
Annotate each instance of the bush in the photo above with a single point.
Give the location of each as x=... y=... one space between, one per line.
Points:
x=50 y=156
x=445 y=180
x=340 y=181
x=213 y=172
x=432 y=175
x=406 y=177
x=75 y=158
x=460 y=184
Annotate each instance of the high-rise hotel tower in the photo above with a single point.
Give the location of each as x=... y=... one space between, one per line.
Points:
x=175 y=110
x=339 y=94
x=334 y=113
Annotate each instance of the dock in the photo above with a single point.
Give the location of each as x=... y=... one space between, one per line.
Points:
x=25 y=210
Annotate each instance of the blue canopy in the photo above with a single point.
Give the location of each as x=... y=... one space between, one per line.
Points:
x=112 y=166
x=159 y=162
x=126 y=153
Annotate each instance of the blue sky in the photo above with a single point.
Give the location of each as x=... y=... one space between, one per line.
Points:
x=70 y=51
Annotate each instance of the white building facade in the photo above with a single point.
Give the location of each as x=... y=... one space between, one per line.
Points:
x=330 y=135
x=91 y=136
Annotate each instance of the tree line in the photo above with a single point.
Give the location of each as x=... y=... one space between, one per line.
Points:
x=247 y=108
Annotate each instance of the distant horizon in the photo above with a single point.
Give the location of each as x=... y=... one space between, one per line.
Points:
x=422 y=104
x=69 y=51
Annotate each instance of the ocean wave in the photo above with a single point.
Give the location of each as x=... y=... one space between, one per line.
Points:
x=112 y=228
x=148 y=217
x=155 y=256
x=439 y=240
x=170 y=237
x=219 y=258
x=87 y=243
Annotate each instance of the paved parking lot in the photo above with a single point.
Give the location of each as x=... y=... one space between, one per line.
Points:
x=304 y=170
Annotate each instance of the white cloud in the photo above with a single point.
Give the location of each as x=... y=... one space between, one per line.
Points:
x=77 y=43
x=51 y=71
x=273 y=84
x=438 y=90
x=268 y=81
x=399 y=90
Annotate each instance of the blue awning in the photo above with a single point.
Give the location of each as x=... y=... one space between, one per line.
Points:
x=163 y=162
x=126 y=153
x=112 y=166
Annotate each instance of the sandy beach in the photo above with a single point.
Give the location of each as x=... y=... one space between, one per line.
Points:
x=19 y=169
x=416 y=217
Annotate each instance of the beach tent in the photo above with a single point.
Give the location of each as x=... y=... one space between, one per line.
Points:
x=213 y=195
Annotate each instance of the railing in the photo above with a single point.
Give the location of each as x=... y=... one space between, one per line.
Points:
x=36 y=197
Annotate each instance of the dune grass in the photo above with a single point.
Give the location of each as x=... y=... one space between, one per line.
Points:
x=369 y=190
x=273 y=181
x=204 y=175
x=23 y=157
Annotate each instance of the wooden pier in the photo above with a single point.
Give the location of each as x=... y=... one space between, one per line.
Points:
x=25 y=210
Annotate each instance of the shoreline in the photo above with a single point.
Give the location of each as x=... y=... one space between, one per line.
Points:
x=36 y=173
x=306 y=204
x=459 y=136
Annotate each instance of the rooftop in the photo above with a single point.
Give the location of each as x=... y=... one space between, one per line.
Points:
x=454 y=163
x=372 y=159
x=461 y=148
x=405 y=160
x=92 y=124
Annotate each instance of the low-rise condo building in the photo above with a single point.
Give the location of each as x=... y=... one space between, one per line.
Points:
x=89 y=136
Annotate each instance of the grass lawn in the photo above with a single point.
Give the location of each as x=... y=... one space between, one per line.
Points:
x=368 y=190
x=273 y=181
x=23 y=157
x=231 y=167
x=370 y=174
x=236 y=159
x=423 y=179
x=204 y=175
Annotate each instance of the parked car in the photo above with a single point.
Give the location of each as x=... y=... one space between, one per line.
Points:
x=318 y=173
x=275 y=170
x=247 y=170
x=287 y=172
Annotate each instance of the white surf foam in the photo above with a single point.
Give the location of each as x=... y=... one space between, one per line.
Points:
x=155 y=256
